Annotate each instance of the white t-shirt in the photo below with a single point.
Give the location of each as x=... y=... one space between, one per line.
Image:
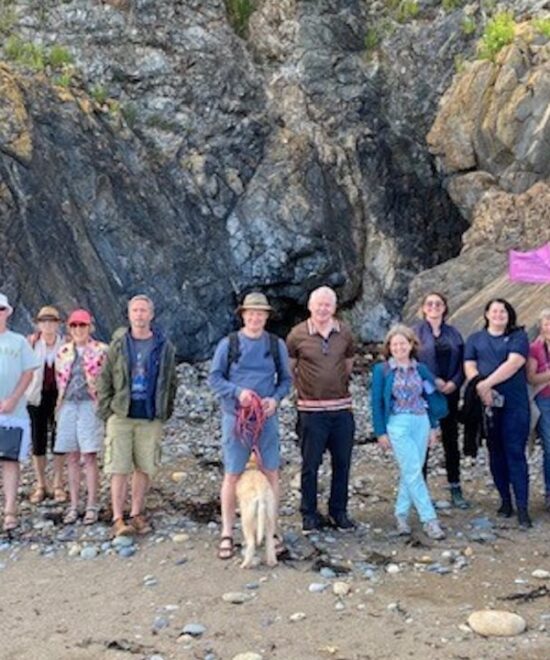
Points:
x=16 y=356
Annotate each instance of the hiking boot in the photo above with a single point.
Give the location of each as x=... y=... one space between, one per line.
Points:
x=524 y=520
x=403 y=527
x=433 y=530
x=120 y=528
x=342 y=523
x=505 y=510
x=457 y=499
x=140 y=524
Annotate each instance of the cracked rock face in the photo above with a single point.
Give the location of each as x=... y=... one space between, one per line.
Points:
x=491 y=139
x=193 y=165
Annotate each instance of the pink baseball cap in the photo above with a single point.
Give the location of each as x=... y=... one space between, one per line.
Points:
x=80 y=316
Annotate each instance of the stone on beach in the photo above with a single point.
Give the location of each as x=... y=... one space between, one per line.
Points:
x=496 y=623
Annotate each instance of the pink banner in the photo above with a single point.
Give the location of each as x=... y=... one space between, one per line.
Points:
x=532 y=266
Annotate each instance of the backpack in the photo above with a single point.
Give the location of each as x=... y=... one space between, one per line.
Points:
x=234 y=352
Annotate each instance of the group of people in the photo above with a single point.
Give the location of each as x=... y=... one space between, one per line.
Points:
x=86 y=395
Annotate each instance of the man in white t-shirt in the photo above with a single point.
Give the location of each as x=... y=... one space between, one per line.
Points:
x=17 y=362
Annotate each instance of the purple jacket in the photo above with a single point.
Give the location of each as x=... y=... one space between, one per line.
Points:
x=426 y=354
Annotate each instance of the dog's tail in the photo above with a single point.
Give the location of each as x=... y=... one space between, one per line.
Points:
x=262 y=513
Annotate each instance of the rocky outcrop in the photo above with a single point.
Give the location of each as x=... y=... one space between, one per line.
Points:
x=491 y=140
x=186 y=162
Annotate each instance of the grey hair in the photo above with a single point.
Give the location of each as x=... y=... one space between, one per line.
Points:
x=322 y=291
x=544 y=314
x=144 y=298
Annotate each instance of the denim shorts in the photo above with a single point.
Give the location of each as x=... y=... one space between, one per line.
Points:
x=236 y=453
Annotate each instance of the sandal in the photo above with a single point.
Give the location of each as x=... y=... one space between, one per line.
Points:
x=70 y=517
x=226 y=549
x=59 y=495
x=38 y=495
x=91 y=516
x=10 y=521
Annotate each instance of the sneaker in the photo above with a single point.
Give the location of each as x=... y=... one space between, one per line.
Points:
x=505 y=510
x=310 y=524
x=433 y=530
x=120 y=528
x=140 y=524
x=457 y=499
x=524 y=520
x=342 y=523
x=403 y=527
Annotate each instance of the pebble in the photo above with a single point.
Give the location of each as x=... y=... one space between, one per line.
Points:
x=89 y=552
x=252 y=585
x=122 y=541
x=317 y=587
x=150 y=581
x=481 y=523
x=541 y=574
x=180 y=538
x=248 y=656
x=159 y=624
x=74 y=550
x=194 y=629
x=341 y=588
x=496 y=623
x=236 y=597
x=392 y=569
x=127 y=551
x=327 y=573
x=297 y=616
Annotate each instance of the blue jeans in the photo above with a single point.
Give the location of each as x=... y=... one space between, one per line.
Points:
x=409 y=436
x=507 y=436
x=543 y=404
x=319 y=431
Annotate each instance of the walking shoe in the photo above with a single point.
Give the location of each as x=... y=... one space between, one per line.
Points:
x=457 y=499
x=342 y=523
x=433 y=530
x=140 y=524
x=310 y=524
x=120 y=528
x=505 y=510
x=524 y=520
x=403 y=527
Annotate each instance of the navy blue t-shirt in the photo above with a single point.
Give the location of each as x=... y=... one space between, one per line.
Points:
x=491 y=351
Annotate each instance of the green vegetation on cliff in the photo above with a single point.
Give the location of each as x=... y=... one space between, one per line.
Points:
x=239 y=13
x=499 y=32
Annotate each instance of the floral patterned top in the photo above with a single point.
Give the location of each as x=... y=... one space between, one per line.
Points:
x=407 y=389
x=93 y=358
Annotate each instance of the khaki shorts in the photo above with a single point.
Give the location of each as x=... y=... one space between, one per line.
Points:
x=132 y=444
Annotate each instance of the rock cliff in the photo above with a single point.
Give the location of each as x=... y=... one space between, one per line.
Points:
x=184 y=154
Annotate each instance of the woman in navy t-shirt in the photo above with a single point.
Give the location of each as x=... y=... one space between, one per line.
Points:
x=498 y=355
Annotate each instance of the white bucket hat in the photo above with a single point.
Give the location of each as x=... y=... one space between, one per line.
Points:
x=4 y=303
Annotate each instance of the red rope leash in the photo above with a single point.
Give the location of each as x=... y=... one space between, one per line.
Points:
x=249 y=425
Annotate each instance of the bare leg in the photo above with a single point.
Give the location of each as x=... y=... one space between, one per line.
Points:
x=140 y=486
x=92 y=478
x=10 y=476
x=73 y=464
x=39 y=463
x=58 y=465
x=119 y=491
x=229 y=502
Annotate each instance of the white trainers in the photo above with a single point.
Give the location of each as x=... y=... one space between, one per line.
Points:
x=403 y=527
x=433 y=530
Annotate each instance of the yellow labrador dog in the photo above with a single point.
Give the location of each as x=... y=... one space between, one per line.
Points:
x=258 y=513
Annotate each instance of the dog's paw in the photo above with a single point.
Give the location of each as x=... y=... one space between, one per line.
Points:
x=246 y=564
x=272 y=562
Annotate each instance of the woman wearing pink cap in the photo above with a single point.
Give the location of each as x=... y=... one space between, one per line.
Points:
x=79 y=430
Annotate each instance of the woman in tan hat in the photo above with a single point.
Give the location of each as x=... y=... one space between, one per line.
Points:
x=41 y=399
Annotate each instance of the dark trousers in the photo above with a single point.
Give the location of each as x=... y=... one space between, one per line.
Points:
x=449 y=439
x=319 y=431
x=42 y=422
x=507 y=435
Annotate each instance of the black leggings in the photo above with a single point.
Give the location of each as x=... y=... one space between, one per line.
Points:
x=449 y=438
x=42 y=421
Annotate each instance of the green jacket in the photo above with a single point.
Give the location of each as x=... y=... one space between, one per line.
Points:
x=113 y=387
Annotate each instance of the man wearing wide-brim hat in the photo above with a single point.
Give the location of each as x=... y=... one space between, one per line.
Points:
x=249 y=368
x=17 y=363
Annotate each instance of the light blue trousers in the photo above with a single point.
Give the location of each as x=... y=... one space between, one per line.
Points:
x=409 y=435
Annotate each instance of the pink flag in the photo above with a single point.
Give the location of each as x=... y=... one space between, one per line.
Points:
x=532 y=266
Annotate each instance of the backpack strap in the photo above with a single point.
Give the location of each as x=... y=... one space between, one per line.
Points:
x=233 y=352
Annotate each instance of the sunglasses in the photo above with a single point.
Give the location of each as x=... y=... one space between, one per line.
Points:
x=78 y=325
x=433 y=303
x=3 y=309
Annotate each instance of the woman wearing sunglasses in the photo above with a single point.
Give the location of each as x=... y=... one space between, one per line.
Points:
x=441 y=350
x=79 y=429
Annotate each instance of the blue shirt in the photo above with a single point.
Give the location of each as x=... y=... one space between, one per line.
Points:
x=490 y=351
x=255 y=370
